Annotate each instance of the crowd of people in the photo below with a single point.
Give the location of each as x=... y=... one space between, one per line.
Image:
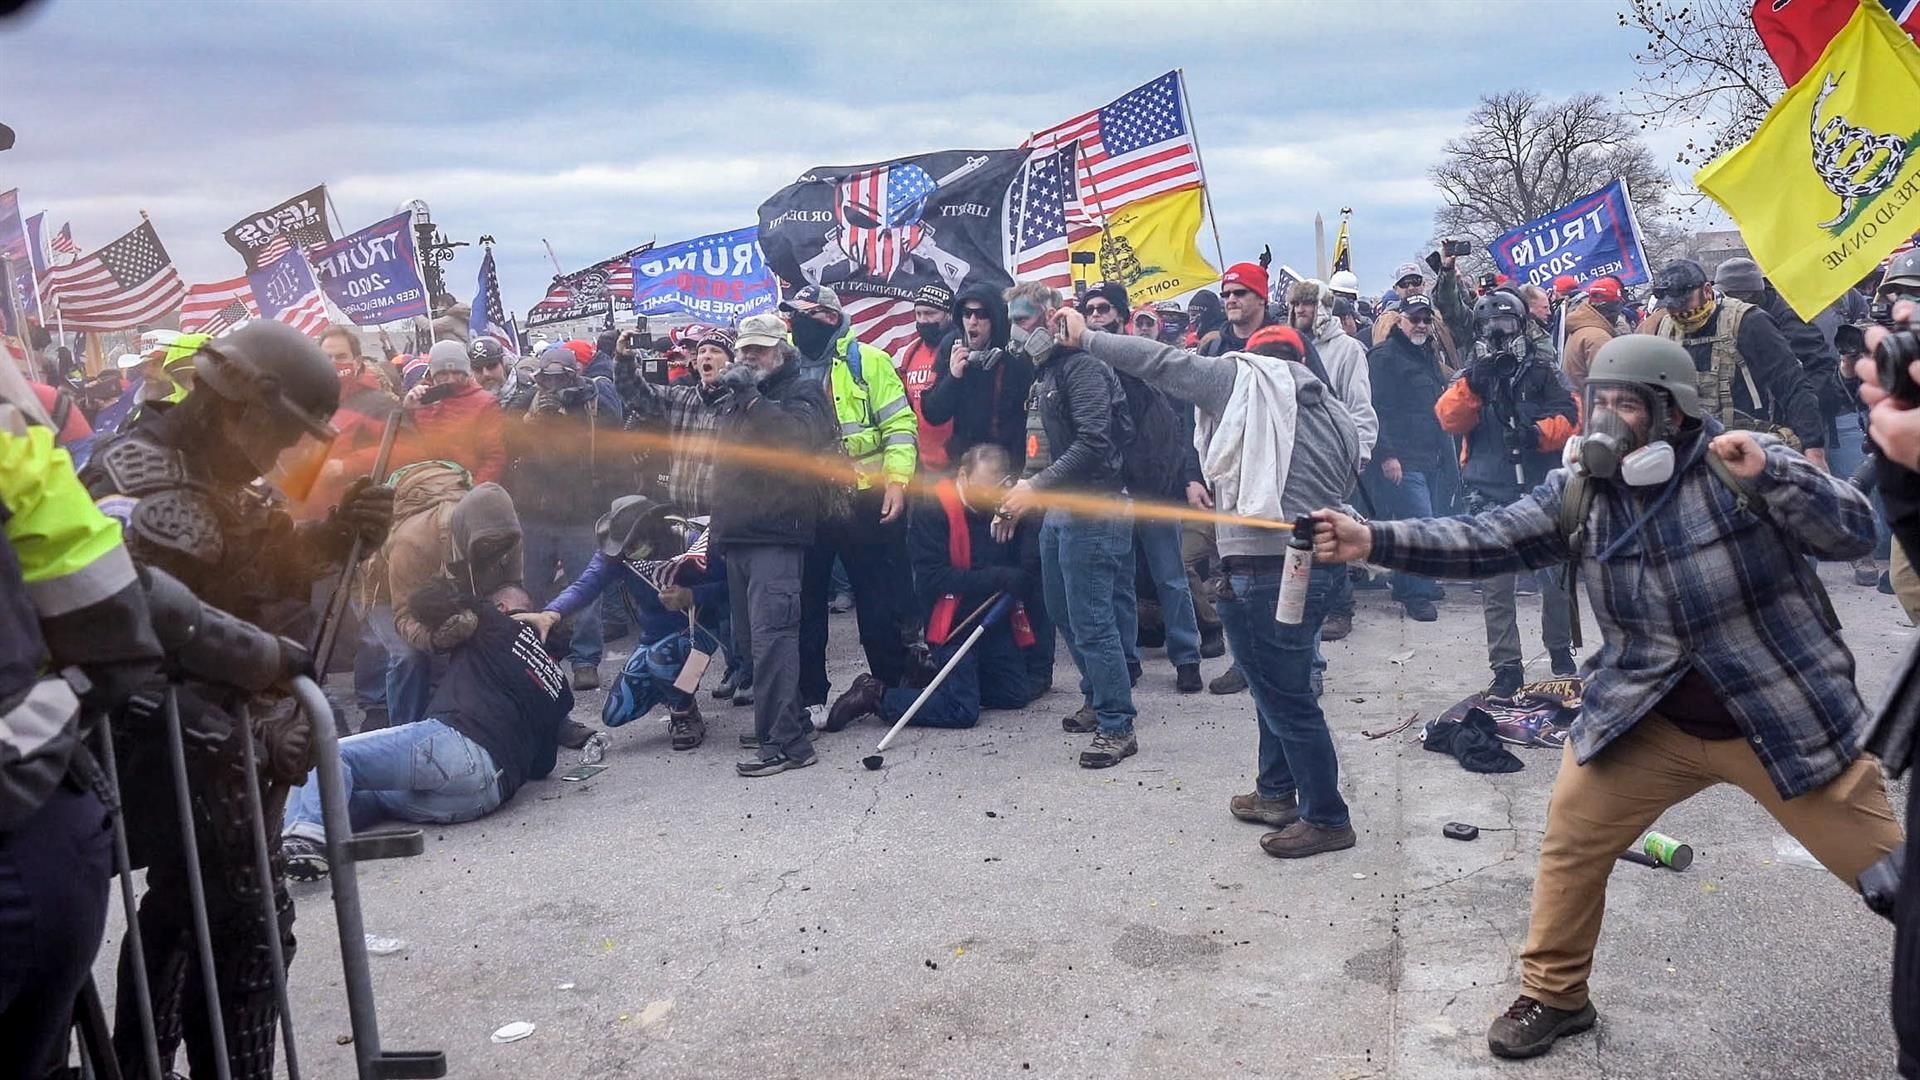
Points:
x=1039 y=467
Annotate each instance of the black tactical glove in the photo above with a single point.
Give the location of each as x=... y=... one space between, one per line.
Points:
x=742 y=379
x=574 y=397
x=367 y=509
x=1482 y=376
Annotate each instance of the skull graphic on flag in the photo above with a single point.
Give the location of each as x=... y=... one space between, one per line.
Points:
x=879 y=214
x=888 y=228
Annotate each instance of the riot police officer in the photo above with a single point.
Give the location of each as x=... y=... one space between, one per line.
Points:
x=182 y=482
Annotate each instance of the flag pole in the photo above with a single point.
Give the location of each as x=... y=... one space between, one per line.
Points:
x=1200 y=164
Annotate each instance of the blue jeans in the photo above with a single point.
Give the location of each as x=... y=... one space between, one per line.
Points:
x=1412 y=497
x=1844 y=458
x=1081 y=558
x=993 y=675
x=1296 y=749
x=425 y=772
x=546 y=543
x=1160 y=548
x=409 y=671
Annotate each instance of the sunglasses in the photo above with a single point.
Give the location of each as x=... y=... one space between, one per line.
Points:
x=1673 y=294
x=1235 y=294
x=1410 y=283
x=1097 y=309
x=1420 y=320
x=973 y=313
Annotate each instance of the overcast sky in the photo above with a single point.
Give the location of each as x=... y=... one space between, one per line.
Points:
x=599 y=126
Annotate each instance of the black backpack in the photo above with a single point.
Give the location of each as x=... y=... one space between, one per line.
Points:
x=1153 y=454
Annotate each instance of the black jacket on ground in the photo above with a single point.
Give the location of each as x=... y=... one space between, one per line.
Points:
x=504 y=692
x=1084 y=411
x=989 y=406
x=1406 y=384
x=754 y=503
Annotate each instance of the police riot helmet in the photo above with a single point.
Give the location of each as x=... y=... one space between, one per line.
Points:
x=282 y=392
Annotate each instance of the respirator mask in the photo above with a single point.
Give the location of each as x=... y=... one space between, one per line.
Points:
x=1612 y=450
x=1037 y=342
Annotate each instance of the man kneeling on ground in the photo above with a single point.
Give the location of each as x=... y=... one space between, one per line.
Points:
x=1722 y=662
x=964 y=553
x=491 y=725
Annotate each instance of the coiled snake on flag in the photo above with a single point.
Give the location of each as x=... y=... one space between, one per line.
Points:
x=1860 y=148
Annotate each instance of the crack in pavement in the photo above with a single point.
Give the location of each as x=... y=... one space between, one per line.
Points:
x=727 y=929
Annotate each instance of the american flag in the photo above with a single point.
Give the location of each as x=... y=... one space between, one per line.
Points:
x=1037 y=219
x=662 y=573
x=1133 y=148
x=128 y=282
x=490 y=315
x=882 y=322
x=1901 y=249
x=879 y=215
x=62 y=244
x=215 y=307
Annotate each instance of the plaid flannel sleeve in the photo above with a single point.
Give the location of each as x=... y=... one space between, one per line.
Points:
x=1826 y=514
x=1524 y=535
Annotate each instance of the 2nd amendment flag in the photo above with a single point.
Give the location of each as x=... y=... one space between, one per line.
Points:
x=1830 y=183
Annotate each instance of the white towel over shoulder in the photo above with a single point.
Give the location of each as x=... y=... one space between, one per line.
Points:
x=1247 y=462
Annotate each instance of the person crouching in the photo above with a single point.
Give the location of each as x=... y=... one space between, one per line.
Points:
x=965 y=553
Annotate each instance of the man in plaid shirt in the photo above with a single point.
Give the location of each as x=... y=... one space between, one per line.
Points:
x=1721 y=661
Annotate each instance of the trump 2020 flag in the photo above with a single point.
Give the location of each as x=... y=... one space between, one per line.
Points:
x=721 y=278
x=1830 y=183
x=1591 y=237
x=886 y=229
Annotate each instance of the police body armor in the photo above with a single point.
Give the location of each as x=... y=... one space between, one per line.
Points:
x=1726 y=369
x=238 y=552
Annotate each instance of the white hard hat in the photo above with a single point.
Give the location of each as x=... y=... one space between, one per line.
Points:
x=129 y=361
x=1344 y=281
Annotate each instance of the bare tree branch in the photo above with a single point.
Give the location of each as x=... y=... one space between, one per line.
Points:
x=1702 y=65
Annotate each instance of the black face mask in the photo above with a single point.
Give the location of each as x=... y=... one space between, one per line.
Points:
x=811 y=335
x=931 y=333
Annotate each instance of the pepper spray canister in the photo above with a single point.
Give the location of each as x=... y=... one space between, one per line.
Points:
x=1296 y=574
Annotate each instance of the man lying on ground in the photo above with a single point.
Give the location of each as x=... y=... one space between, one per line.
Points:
x=491 y=725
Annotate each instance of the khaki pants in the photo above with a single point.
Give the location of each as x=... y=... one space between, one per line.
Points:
x=1600 y=808
x=1196 y=551
x=1906 y=583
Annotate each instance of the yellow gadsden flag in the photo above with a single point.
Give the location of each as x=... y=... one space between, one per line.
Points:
x=1831 y=182
x=1149 y=246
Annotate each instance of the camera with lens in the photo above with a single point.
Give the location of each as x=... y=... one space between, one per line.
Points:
x=1893 y=359
x=985 y=359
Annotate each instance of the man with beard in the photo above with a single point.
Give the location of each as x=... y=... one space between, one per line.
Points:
x=489 y=360
x=1412 y=450
x=1722 y=663
x=1591 y=323
x=1310 y=307
x=764 y=520
x=181 y=483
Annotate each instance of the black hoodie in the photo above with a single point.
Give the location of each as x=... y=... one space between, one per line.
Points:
x=989 y=406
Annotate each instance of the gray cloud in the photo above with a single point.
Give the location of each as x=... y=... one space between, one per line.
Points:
x=597 y=126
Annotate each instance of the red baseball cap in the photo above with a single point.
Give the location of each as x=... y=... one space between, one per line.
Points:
x=1606 y=290
x=1565 y=284
x=1277 y=334
x=1246 y=275
x=582 y=351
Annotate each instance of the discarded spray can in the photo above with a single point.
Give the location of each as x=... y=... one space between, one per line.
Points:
x=1667 y=851
x=1297 y=574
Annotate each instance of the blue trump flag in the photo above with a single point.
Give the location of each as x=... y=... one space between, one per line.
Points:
x=372 y=275
x=719 y=278
x=1591 y=237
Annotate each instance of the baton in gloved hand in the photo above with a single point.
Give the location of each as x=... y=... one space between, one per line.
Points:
x=1002 y=603
x=337 y=606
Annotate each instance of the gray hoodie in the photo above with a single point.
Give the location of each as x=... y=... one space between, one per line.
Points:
x=1326 y=449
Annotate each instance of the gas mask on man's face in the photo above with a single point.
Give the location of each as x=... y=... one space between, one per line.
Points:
x=1612 y=450
x=1038 y=342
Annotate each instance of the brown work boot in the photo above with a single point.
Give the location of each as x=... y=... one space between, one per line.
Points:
x=862 y=699
x=1273 y=813
x=1304 y=838
x=1530 y=1028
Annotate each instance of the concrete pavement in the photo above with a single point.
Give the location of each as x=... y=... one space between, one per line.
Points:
x=984 y=908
